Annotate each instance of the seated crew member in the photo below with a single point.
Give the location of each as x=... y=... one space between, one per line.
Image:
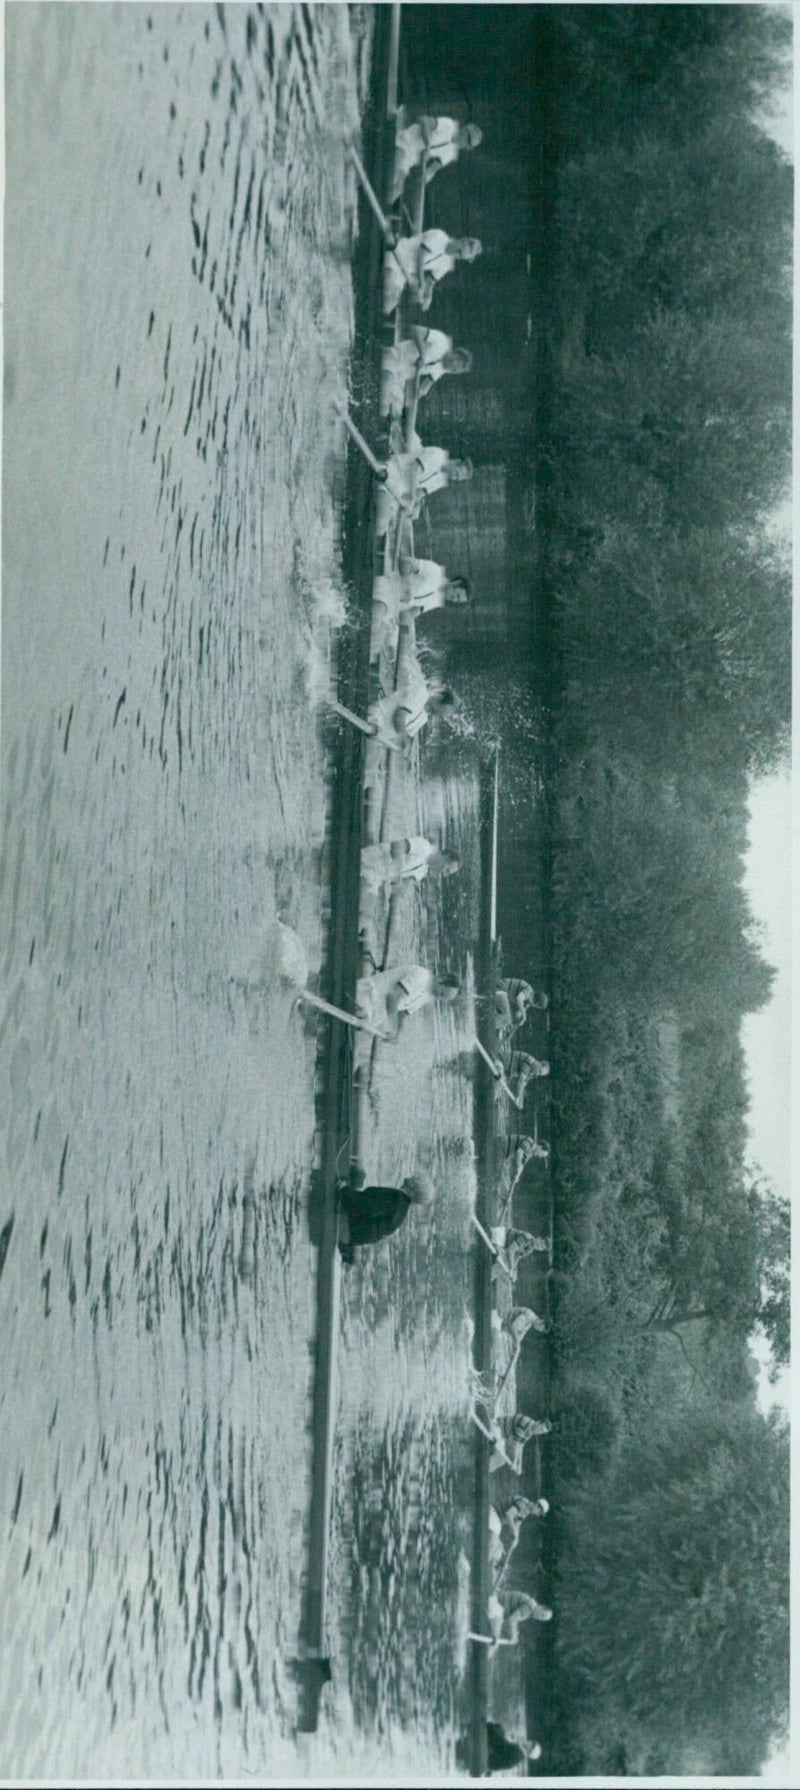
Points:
x=413 y=476
x=395 y=994
x=519 y=1068
x=417 y=588
x=515 y=999
x=510 y=1435
x=509 y=1610
x=367 y=1215
x=413 y=366
x=438 y=142
x=506 y=1524
x=517 y=1322
x=513 y=1246
x=399 y=718
x=503 y=1752
x=417 y=263
x=405 y=859
x=518 y=1151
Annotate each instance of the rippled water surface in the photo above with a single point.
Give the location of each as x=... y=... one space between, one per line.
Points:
x=178 y=321
x=178 y=316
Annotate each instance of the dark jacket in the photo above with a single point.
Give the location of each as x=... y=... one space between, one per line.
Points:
x=374 y=1213
x=501 y=1752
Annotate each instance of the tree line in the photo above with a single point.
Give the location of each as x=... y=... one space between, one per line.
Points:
x=665 y=447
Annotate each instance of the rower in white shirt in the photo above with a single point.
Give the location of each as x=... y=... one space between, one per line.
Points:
x=419 y=262
x=398 y=719
x=410 y=368
x=416 y=588
x=412 y=477
x=435 y=141
x=404 y=860
x=395 y=995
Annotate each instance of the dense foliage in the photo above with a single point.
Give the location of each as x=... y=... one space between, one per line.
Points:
x=676 y=1617
x=666 y=433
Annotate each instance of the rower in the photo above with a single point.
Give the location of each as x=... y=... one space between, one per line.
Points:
x=510 y=1435
x=520 y=1068
x=513 y=1246
x=397 y=993
x=418 y=587
x=424 y=356
x=411 y=859
x=515 y=999
x=434 y=142
x=503 y=1751
x=419 y=262
x=367 y=1215
x=411 y=478
x=399 y=718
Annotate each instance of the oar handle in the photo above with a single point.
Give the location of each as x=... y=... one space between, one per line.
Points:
x=338 y=708
x=370 y=194
x=379 y=469
x=348 y=1019
x=490 y=1438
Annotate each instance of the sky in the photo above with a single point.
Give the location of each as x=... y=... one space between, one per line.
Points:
x=770 y=880
x=766 y=1035
x=771 y=875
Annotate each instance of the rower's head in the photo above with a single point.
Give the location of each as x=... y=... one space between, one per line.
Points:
x=419 y=1190
x=458 y=471
x=539 y=1001
x=441 y=701
x=457 y=592
x=467 y=248
x=447 y=987
x=448 y=863
x=457 y=360
x=469 y=136
x=521 y=1321
x=525 y=1427
x=443 y=863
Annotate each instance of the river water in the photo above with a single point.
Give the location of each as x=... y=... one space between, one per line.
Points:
x=178 y=319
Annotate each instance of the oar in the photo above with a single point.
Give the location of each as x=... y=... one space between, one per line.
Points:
x=370 y=195
x=411 y=413
x=491 y=1062
x=503 y=1570
x=492 y=1247
x=348 y=1019
x=510 y=1195
x=491 y=1641
x=378 y=467
x=374 y=204
x=394 y=59
x=496 y=1072
x=396 y=905
x=490 y=1438
x=512 y=1363
x=420 y=217
x=367 y=727
x=360 y=1110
